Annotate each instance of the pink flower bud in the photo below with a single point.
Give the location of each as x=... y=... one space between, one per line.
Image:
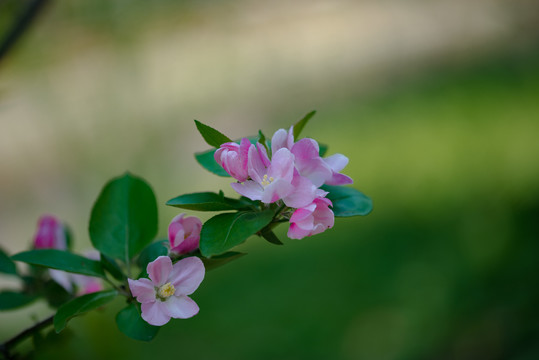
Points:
x=50 y=234
x=312 y=219
x=233 y=158
x=184 y=234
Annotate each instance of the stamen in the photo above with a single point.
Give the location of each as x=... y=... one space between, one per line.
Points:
x=166 y=291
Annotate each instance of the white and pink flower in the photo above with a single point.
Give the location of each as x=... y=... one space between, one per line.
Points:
x=184 y=234
x=312 y=219
x=165 y=294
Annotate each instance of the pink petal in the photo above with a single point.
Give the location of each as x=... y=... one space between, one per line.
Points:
x=159 y=270
x=181 y=307
x=155 y=313
x=282 y=139
x=295 y=232
x=186 y=275
x=336 y=162
x=339 y=179
x=263 y=154
x=302 y=214
x=143 y=289
x=255 y=166
x=187 y=245
x=306 y=149
x=279 y=140
x=176 y=234
x=282 y=165
x=303 y=194
x=249 y=189
x=192 y=226
x=277 y=190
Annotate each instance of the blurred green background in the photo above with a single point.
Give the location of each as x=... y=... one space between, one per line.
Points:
x=436 y=104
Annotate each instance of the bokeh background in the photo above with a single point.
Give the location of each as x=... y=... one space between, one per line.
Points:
x=436 y=103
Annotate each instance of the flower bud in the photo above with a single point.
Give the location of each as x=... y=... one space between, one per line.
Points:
x=233 y=158
x=184 y=234
x=50 y=234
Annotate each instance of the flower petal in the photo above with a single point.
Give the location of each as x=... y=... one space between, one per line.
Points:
x=255 y=165
x=155 y=313
x=186 y=275
x=159 y=270
x=303 y=194
x=249 y=189
x=295 y=232
x=143 y=289
x=282 y=165
x=181 y=307
x=336 y=162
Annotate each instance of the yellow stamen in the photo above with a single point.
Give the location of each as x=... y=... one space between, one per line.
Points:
x=265 y=181
x=166 y=291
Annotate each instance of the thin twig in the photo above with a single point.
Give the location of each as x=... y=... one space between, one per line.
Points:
x=21 y=25
x=8 y=345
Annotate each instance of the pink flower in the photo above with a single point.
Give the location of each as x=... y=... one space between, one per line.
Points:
x=50 y=234
x=184 y=234
x=312 y=219
x=269 y=183
x=308 y=160
x=164 y=295
x=233 y=158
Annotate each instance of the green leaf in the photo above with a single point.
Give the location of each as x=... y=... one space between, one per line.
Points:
x=152 y=252
x=206 y=201
x=80 y=305
x=348 y=201
x=322 y=149
x=131 y=324
x=223 y=232
x=12 y=300
x=55 y=294
x=124 y=217
x=262 y=140
x=112 y=267
x=301 y=124
x=213 y=137
x=270 y=236
x=220 y=260
x=7 y=266
x=61 y=260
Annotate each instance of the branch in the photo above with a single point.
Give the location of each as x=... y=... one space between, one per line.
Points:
x=5 y=347
x=21 y=25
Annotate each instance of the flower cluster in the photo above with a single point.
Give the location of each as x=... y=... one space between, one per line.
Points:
x=287 y=171
x=284 y=180
x=164 y=295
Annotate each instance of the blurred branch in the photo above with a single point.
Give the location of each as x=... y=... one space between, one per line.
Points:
x=8 y=345
x=34 y=8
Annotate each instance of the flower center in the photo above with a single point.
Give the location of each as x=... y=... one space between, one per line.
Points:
x=266 y=181
x=166 y=291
